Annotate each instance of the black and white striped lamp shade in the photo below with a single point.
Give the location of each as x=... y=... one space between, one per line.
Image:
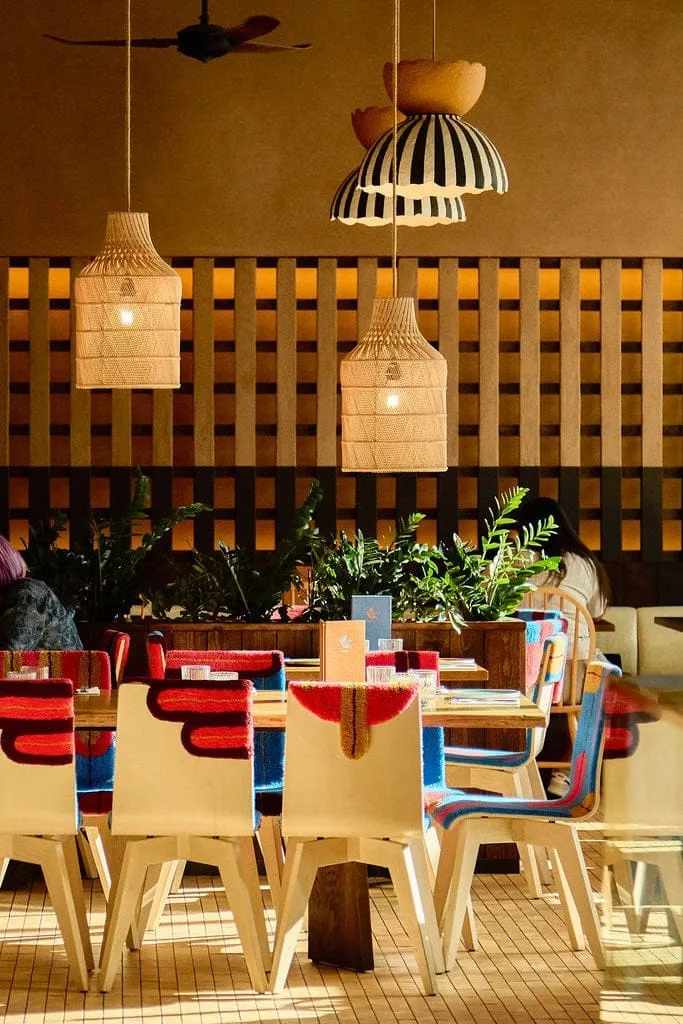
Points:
x=437 y=155
x=353 y=206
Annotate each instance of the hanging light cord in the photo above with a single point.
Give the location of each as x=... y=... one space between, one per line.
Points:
x=128 y=104
x=433 y=29
x=394 y=224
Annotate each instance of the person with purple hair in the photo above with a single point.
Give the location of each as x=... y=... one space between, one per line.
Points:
x=32 y=617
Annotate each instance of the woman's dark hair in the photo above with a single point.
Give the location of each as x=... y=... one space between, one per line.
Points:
x=564 y=540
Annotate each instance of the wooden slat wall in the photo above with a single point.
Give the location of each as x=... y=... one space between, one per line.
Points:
x=499 y=344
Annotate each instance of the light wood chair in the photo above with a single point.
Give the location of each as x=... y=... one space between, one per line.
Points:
x=368 y=809
x=184 y=775
x=515 y=773
x=469 y=820
x=581 y=628
x=38 y=818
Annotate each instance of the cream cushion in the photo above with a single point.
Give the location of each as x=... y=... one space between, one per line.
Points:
x=624 y=639
x=660 y=650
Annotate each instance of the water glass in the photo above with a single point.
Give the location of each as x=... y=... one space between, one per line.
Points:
x=380 y=673
x=21 y=675
x=390 y=644
x=33 y=672
x=426 y=679
x=195 y=671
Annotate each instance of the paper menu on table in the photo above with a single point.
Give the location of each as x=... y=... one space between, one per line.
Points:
x=375 y=611
x=342 y=650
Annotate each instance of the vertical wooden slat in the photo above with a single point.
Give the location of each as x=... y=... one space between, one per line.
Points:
x=652 y=363
x=489 y=384
x=610 y=408
x=610 y=362
x=406 y=483
x=326 y=430
x=80 y=446
x=245 y=402
x=39 y=401
x=366 y=483
x=286 y=362
x=245 y=362
x=326 y=385
x=80 y=450
x=286 y=376
x=4 y=396
x=570 y=386
x=162 y=427
x=449 y=346
x=529 y=364
x=204 y=415
x=121 y=427
x=489 y=374
x=652 y=412
x=39 y=363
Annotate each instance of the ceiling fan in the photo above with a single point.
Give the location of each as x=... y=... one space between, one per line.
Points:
x=204 y=41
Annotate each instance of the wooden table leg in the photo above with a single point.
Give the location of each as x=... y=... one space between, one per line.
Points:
x=339 y=930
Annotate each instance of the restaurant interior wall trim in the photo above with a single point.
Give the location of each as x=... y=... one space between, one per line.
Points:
x=242 y=156
x=565 y=375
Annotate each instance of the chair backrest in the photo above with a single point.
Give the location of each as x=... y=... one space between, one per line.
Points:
x=266 y=669
x=117 y=646
x=581 y=636
x=184 y=761
x=327 y=793
x=583 y=795
x=550 y=677
x=83 y=668
x=433 y=738
x=540 y=625
x=37 y=777
x=660 y=649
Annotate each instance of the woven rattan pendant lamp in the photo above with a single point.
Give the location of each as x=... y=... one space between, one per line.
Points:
x=127 y=301
x=393 y=384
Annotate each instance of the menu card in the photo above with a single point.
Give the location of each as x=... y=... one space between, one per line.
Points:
x=342 y=651
x=375 y=611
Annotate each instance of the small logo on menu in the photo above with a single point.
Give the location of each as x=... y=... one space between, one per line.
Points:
x=345 y=642
x=371 y=614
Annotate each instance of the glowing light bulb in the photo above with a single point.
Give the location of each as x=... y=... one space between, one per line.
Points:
x=127 y=317
x=392 y=400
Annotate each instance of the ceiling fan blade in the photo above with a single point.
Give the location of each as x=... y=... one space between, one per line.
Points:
x=258 y=25
x=253 y=47
x=158 y=44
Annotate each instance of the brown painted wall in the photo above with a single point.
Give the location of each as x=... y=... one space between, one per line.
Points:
x=242 y=156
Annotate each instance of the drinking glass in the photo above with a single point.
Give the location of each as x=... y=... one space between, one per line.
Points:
x=390 y=644
x=195 y=671
x=380 y=673
x=426 y=679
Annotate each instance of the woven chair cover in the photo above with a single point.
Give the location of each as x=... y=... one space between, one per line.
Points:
x=128 y=312
x=393 y=406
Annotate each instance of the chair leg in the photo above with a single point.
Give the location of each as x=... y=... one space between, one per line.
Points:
x=527 y=853
x=422 y=874
x=69 y=909
x=301 y=867
x=4 y=864
x=157 y=888
x=270 y=841
x=626 y=890
x=574 y=866
x=459 y=849
x=122 y=910
x=470 y=939
x=671 y=871
x=69 y=845
x=98 y=857
x=89 y=865
x=177 y=882
x=250 y=922
x=537 y=791
x=413 y=904
x=569 y=908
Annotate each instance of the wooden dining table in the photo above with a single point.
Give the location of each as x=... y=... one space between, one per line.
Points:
x=339 y=925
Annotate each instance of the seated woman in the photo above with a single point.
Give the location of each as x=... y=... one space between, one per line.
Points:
x=31 y=616
x=582 y=576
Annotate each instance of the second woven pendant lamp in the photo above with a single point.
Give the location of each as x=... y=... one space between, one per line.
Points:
x=127 y=300
x=393 y=384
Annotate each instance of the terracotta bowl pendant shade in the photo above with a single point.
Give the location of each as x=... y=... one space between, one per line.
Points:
x=436 y=155
x=127 y=304
x=393 y=406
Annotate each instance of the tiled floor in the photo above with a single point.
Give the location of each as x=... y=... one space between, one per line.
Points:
x=524 y=972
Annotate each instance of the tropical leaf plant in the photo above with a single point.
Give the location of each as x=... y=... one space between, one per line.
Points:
x=491 y=583
x=101 y=579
